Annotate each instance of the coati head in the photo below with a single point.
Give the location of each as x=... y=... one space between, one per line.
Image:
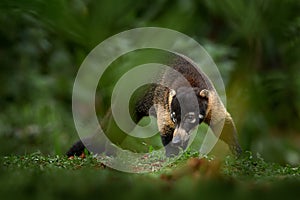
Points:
x=187 y=110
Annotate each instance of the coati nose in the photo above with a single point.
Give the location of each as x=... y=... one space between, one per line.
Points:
x=176 y=140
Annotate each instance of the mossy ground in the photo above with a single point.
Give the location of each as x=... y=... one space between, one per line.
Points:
x=37 y=176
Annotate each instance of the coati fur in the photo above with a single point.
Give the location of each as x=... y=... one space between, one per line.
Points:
x=183 y=98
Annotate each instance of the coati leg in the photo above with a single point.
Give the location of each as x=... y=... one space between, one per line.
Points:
x=166 y=132
x=229 y=135
x=221 y=122
x=141 y=102
x=166 y=126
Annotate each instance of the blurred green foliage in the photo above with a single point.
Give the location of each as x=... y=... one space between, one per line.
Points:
x=256 y=45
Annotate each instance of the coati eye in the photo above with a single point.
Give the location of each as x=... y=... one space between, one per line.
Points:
x=190 y=117
x=173 y=117
x=201 y=116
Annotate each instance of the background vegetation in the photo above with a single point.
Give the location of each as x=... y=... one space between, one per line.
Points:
x=255 y=44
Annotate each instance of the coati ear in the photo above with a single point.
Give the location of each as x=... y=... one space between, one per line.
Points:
x=204 y=93
x=172 y=94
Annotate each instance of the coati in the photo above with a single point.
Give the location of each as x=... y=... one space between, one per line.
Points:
x=182 y=98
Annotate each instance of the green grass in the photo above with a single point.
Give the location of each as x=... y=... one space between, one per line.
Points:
x=37 y=176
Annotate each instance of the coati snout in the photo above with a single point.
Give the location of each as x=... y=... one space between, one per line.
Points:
x=188 y=109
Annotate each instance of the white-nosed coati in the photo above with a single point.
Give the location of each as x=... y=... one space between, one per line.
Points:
x=183 y=98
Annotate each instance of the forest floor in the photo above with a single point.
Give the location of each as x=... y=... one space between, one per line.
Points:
x=37 y=176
